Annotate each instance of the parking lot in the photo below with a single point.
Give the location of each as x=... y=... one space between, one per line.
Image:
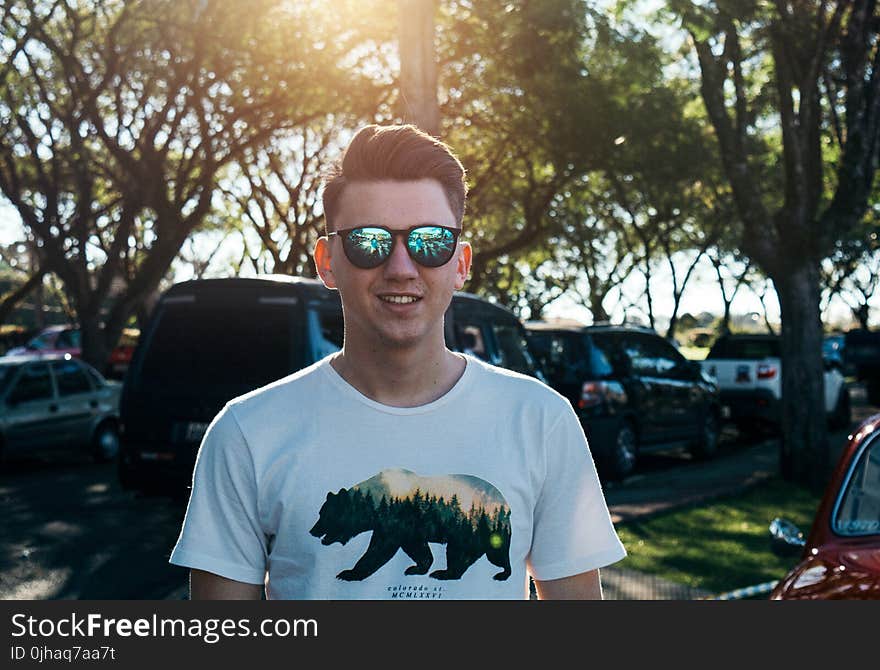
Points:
x=71 y=532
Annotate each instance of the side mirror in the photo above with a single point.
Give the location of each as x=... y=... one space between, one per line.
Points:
x=786 y=539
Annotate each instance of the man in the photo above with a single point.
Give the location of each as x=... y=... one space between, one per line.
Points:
x=396 y=468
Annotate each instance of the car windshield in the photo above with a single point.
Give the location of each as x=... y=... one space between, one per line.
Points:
x=858 y=510
x=41 y=341
x=745 y=348
x=199 y=347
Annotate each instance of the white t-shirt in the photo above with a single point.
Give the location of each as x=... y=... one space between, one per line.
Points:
x=319 y=492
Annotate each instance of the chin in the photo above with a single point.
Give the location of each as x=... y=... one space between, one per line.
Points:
x=400 y=338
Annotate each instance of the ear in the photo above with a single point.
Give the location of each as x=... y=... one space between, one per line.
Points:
x=322 y=261
x=463 y=265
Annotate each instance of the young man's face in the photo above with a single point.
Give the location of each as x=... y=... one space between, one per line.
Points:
x=370 y=315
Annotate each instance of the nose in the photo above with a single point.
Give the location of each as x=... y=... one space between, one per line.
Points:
x=399 y=265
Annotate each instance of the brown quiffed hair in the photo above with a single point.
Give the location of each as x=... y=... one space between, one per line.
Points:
x=402 y=153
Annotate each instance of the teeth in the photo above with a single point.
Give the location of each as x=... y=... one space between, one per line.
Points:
x=399 y=299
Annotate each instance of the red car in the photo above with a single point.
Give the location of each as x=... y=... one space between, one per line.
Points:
x=841 y=557
x=65 y=339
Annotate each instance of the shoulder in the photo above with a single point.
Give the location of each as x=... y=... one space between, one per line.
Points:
x=511 y=385
x=287 y=393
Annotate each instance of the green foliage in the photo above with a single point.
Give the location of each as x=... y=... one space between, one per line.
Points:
x=720 y=546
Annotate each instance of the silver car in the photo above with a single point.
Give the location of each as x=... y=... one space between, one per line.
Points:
x=50 y=403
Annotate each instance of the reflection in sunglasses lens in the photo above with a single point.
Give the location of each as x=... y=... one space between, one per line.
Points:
x=431 y=246
x=369 y=247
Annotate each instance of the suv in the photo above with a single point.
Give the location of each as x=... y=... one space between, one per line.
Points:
x=749 y=373
x=211 y=340
x=632 y=390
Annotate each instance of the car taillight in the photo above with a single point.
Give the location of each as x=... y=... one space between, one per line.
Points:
x=592 y=394
x=766 y=371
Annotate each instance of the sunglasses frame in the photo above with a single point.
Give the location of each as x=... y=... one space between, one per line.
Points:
x=405 y=233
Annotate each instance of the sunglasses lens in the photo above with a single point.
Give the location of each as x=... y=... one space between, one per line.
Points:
x=367 y=247
x=431 y=246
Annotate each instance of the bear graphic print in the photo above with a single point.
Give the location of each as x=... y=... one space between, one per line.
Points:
x=406 y=511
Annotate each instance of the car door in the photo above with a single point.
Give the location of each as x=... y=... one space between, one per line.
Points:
x=32 y=410
x=77 y=402
x=687 y=396
x=661 y=402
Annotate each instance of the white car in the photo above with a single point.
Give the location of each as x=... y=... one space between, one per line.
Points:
x=56 y=403
x=748 y=371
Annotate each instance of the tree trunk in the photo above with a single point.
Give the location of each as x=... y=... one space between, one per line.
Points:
x=418 y=69
x=804 y=443
x=597 y=309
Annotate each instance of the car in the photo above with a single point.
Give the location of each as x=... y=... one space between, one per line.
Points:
x=58 y=339
x=66 y=339
x=210 y=340
x=748 y=370
x=861 y=353
x=632 y=390
x=56 y=402
x=840 y=558
x=833 y=348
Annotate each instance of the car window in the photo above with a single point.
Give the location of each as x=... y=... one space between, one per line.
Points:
x=745 y=348
x=600 y=366
x=513 y=349
x=41 y=341
x=858 y=510
x=95 y=376
x=550 y=350
x=329 y=328
x=650 y=356
x=471 y=340
x=34 y=383
x=70 y=378
x=67 y=339
x=565 y=358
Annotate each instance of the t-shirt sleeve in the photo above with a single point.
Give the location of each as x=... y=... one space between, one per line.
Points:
x=573 y=532
x=221 y=531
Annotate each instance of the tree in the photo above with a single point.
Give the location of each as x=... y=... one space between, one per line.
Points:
x=514 y=97
x=418 y=67
x=852 y=274
x=792 y=90
x=122 y=117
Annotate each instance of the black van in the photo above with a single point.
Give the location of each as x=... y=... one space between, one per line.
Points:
x=211 y=340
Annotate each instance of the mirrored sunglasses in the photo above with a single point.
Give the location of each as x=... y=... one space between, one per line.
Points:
x=369 y=246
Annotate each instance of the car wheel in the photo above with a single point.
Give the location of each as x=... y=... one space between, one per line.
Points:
x=623 y=453
x=105 y=442
x=841 y=417
x=706 y=444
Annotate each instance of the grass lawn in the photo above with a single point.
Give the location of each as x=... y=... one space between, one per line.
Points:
x=723 y=545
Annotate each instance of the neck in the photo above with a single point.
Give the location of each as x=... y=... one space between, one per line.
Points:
x=399 y=377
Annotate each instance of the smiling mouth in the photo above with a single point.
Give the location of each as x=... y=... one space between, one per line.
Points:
x=399 y=299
